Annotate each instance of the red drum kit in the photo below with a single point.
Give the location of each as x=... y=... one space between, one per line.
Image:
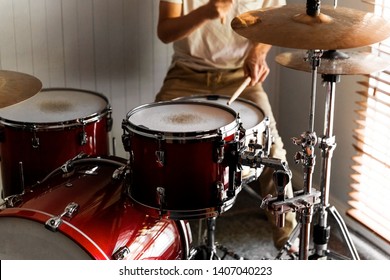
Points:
x=65 y=197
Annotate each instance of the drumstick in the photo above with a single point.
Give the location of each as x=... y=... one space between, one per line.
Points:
x=239 y=90
x=223 y=20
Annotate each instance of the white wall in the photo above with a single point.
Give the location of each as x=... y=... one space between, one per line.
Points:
x=106 y=46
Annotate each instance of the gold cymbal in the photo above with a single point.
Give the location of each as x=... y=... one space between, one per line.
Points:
x=335 y=62
x=289 y=26
x=16 y=87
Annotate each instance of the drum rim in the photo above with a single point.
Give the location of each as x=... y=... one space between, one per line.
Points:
x=224 y=131
x=176 y=214
x=67 y=229
x=78 y=122
x=244 y=100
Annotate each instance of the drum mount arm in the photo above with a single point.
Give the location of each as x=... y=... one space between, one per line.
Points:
x=280 y=205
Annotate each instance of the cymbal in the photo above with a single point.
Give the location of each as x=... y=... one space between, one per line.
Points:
x=335 y=62
x=289 y=26
x=16 y=87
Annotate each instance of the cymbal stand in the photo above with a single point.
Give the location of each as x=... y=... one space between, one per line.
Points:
x=307 y=157
x=327 y=145
x=304 y=201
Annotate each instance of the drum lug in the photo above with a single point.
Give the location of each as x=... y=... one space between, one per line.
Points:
x=83 y=137
x=109 y=121
x=121 y=253
x=220 y=191
x=220 y=150
x=69 y=211
x=35 y=139
x=160 y=154
x=126 y=137
x=160 y=158
x=268 y=139
x=161 y=200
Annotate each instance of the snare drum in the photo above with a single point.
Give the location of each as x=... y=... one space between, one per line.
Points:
x=180 y=158
x=85 y=214
x=39 y=134
x=253 y=121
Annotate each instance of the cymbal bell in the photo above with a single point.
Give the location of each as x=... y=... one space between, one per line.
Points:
x=16 y=87
x=335 y=62
x=289 y=26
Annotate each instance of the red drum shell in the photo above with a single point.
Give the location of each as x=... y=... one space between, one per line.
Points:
x=193 y=181
x=105 y=222
x=62 y=116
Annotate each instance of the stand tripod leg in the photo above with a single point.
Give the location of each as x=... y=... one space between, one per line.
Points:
x=208 y=249
x=345 y=233
x=210 y=245
x=290 y=241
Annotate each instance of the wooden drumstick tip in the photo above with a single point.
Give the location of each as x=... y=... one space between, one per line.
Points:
x=237 y=93
x=223 y=20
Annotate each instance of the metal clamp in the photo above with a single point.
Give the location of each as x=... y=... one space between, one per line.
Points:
x=69 y=211
x=121 y=253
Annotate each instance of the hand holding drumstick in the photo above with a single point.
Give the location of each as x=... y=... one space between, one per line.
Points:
x=221 y=8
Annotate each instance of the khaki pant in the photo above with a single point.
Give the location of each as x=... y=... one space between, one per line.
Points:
x=182 y=81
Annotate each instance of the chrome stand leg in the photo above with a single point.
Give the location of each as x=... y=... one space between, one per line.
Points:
x=327 y=145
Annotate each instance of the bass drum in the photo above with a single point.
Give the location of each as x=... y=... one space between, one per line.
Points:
x=83 y=212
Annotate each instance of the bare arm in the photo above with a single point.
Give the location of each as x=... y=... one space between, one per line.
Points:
x=173 y=25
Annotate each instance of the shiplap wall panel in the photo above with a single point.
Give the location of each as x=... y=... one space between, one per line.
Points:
x=132 y=53
x=106 y=46
x=7 y=35
x=101 y=46
x=23 y=34
x=40 y=47
x=56 y=52
x=117 y=32
x=145 y=44
x=71 y=43
x=86 y=42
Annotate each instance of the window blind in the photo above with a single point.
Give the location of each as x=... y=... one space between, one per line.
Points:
x=370 y=186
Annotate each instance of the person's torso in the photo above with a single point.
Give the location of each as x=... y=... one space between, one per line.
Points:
x=216 y=44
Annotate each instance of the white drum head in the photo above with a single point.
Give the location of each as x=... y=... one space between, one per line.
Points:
x=23 y=239
x=249 y=113
x=55 y=105
x=181 y=117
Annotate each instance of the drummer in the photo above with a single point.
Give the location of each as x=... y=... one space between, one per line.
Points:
x=210 y=58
